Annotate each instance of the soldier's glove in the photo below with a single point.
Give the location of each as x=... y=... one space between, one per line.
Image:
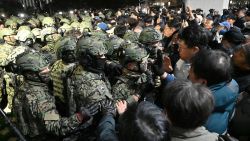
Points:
x=116 y=69
x=108 y=107
x=158 y=67
x=89 y=111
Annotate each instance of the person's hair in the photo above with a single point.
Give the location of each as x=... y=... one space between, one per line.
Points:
x=120 y=30
x=188 y=105
x=225 y=12
x=234 y=37
x=175 y=23
x=246 y=49
x=121 y=20
x=212 y=65
x=148 y=19
x=195 y=36
x=132 y=23
x=143 y=122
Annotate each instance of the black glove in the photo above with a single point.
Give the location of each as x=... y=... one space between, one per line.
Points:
x=158 y=67
x=108 y=107
x=89 y=111
x=116 y=69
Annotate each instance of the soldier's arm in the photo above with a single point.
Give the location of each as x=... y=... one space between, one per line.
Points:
x=54 y=123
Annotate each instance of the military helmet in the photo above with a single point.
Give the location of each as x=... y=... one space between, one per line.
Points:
x=131 y=52
x=82 y=45
x=34 y=22
x=32 y=61
x=86 y=25
x=113 y=44
x=65 y=28
x=6 y=32
x=36 y=32
x=23 y=27
x=98 y=47
x=65 y=44
x=131 y=36
x=48 y=21
x=47 y=31
x=150 y=35
x=10 y=23
x=75 y=25
x=23 y=35
x=40 y=17
x=92 y=46
x=64 y=20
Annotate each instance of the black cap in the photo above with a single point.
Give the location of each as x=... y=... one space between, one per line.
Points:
x=248 y=13
x=231 y=16
x=234 y=36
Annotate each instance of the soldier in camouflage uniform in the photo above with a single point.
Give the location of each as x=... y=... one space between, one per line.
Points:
x=90 y=85
x=6 y=49
x=151 y=39
x=131 y=36
x=113 y=44
x=66 y=54
x=134 y=81
x=35 y=107
x=48 y=22
x=11 y=24
x=50 y=36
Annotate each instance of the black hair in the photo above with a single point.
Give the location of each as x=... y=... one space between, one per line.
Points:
x=213 y=66
x=148 y=19
x=120 y=30
x=121 y=20
x=246 y=48
x=132 y=23
x=143 y=122
x=195 y=36
x=188 y=105
x=225 y=12
x=176 y=23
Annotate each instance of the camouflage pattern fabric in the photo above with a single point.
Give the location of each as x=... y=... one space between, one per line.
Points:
x=89 y=88
x=131 y=36
x=127 y=85
x=56 y=75
x=5 y=51
x=36 y=112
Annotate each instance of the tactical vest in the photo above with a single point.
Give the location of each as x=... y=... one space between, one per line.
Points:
x=56 y=75
x=90 y=88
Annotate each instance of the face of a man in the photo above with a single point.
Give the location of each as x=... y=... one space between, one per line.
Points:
x=168 y=31
x=239 y=60
x=186 y=53
x=208 y=24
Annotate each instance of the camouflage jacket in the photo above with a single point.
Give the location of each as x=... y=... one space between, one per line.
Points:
x=127 y=85
x=36 y=112
x=88 y=87
x=5 y=51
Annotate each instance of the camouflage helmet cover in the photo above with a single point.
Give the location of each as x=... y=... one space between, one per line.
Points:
x=23 y=35
x=48 y=21
x=150 y=35
x=65 y=44
x=6 y=32
x=34 y=62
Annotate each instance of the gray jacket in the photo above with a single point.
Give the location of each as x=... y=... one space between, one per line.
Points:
x=198 y=134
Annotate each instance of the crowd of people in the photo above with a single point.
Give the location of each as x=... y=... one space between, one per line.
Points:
x=127 y=74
